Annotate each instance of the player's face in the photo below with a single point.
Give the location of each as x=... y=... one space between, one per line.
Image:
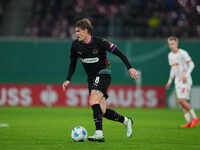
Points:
x=173 y=45
x=81 y=34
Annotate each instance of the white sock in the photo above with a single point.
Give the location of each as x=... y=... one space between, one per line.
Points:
x=187 y=117
x=125 y=120
x=99 y=132
x=193 y=114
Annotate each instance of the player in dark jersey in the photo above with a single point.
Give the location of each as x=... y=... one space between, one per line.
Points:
x=91 y=51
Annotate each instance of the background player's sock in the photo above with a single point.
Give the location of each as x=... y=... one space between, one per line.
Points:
x=113 y=115
x=187 y=117
x=193 y=114
x=97 y=115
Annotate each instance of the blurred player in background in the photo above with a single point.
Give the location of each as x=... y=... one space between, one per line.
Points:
x=181 y=68
x=92 y=52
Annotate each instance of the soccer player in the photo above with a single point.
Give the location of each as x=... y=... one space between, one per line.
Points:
x=92 y=52
x=181 y=68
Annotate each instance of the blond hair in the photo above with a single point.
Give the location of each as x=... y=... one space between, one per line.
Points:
x=173 y=38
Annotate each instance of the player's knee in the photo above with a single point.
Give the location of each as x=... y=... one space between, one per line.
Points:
x=103 y=111
x=181 y=101
x=94 y=98
x=93 y=101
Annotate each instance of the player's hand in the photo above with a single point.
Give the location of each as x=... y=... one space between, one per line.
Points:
x=167 y=86
x=184 y=79
x=65 y=84
x=134 y=73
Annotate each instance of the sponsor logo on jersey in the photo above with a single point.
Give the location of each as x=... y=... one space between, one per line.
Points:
x=90 y=60
x=175 y=64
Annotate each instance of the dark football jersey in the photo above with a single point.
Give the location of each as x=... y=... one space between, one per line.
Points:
x=93 y=56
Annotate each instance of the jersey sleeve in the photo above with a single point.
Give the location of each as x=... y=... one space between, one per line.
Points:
x=170 y=60
x=107 y=45
x=189 y=61
x=73 y=62
x=73 y=54
x=186 y=57
x=123 y=58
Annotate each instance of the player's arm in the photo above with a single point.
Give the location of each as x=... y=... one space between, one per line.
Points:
x=133 y=72
x=190 y=68
x=113 y=49
x=190 y=64
x=171 y=77
x=72 y=68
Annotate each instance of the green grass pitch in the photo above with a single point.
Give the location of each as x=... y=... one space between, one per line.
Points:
x=43 y=128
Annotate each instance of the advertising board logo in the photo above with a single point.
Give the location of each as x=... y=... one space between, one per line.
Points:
x=49 y=96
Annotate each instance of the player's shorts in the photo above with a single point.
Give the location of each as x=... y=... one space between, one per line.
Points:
x=101 y=83
x=183 y=91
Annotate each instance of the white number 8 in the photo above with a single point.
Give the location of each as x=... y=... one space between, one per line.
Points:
x=97 y=80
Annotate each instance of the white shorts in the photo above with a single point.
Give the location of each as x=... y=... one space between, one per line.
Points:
x=183 y=91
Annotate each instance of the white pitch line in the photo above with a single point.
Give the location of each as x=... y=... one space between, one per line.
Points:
x=3 y=125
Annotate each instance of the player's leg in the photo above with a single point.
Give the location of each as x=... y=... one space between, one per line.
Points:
x=183 y=94
x=113 y=115
x=185 y=105
x=193 y=115
x=187 y=118
x=109 y=113
x=94 y=101
x=99 y=88
x=103 y=105
x=188 y=111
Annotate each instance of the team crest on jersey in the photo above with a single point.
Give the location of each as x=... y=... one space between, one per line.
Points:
x=95 y=51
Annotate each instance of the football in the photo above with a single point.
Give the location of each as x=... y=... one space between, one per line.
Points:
x=79 y=134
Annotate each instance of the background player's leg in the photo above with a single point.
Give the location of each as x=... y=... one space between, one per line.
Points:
x=188 y=109
x=187 y=118
x=193 y=115
x=187 y=115
x=185 y=105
